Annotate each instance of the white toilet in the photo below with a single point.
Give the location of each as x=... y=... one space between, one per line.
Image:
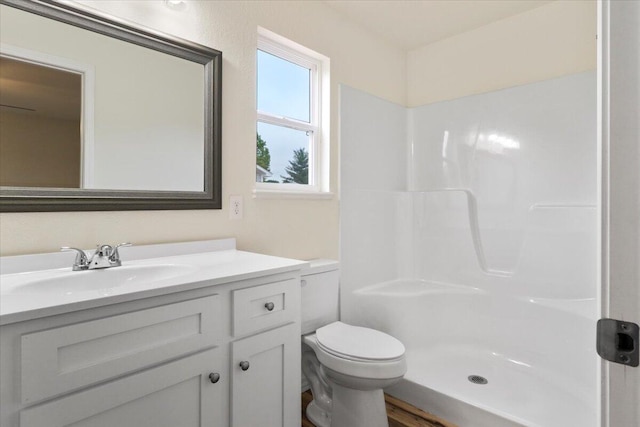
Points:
x=346 y=366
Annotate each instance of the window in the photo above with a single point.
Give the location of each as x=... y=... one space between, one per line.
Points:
x=289 y=155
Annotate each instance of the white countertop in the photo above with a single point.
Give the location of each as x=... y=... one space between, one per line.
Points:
x=197 y=270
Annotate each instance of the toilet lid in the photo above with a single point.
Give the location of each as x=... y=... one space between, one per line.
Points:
x=358 y=342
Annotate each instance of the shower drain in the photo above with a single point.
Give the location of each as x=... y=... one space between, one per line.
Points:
x=477 y=379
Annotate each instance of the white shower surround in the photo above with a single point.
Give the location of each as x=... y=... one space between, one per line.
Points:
x=468 y=231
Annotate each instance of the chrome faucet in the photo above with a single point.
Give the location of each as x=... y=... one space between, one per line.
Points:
x=105 y=256
x=81 y=262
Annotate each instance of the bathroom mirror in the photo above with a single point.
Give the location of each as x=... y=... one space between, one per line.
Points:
x=99 y=114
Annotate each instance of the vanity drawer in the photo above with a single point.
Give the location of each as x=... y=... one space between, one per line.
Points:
x=265 y=307
x=70 y=357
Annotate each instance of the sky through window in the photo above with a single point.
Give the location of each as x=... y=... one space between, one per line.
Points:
x=283 y=90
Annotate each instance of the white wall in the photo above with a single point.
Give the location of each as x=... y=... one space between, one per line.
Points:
x=295 y=228
x=358 y=59
x=550 y=41
x=373 y=169
x=554 y=40
x=527 y=155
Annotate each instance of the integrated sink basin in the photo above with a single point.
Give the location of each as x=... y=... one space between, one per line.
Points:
x=66 y=282
x=41 y=285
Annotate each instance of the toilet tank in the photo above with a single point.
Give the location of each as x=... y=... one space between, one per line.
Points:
x=320 y=294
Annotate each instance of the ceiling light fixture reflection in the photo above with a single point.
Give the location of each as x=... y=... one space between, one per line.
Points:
x=175 y=4
x=496 y=143
x=504 y=141
x=445 y=143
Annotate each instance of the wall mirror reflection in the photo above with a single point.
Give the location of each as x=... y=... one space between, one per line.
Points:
x=40 y=117
x=98 y=114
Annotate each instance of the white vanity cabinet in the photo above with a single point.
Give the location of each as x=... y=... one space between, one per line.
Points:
x=265 y=380
x=171 y=360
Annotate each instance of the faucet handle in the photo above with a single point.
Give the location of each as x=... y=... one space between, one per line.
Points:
x=115 y=255
x=81 y=262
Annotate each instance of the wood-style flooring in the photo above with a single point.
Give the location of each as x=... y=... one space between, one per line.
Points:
x=400 y=414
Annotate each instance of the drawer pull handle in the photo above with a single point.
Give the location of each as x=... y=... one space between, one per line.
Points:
x=269 y=306
x=214 y=377
x=244 y=365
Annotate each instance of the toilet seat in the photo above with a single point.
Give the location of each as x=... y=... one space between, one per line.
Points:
x=358 y=343
x=349 y=358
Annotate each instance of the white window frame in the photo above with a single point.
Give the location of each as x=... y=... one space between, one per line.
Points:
x=280 y=47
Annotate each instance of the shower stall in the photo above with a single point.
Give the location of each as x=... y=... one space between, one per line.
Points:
x=469 y=230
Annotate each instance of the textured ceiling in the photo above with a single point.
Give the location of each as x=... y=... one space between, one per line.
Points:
x=410 y=24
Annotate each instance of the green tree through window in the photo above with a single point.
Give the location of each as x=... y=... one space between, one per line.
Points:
x=298 y=169
x=263 y=158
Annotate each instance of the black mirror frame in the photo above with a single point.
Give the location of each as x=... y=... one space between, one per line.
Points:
x=23 y=199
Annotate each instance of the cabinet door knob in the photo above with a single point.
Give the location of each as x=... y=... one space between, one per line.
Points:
x=269 y=306
x=244 y=365
x=214 y=377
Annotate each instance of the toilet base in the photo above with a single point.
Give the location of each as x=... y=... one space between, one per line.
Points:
x=318 y=416
x=358 y=408
x=347 y=400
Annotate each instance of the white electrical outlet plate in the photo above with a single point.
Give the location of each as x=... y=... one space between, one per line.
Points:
x=235 y=207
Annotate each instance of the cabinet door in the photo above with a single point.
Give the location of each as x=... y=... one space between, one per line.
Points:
x=178 y=393
x=267 y=393
x=90 y=352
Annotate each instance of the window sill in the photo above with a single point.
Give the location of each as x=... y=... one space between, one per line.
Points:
x=289 y=194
